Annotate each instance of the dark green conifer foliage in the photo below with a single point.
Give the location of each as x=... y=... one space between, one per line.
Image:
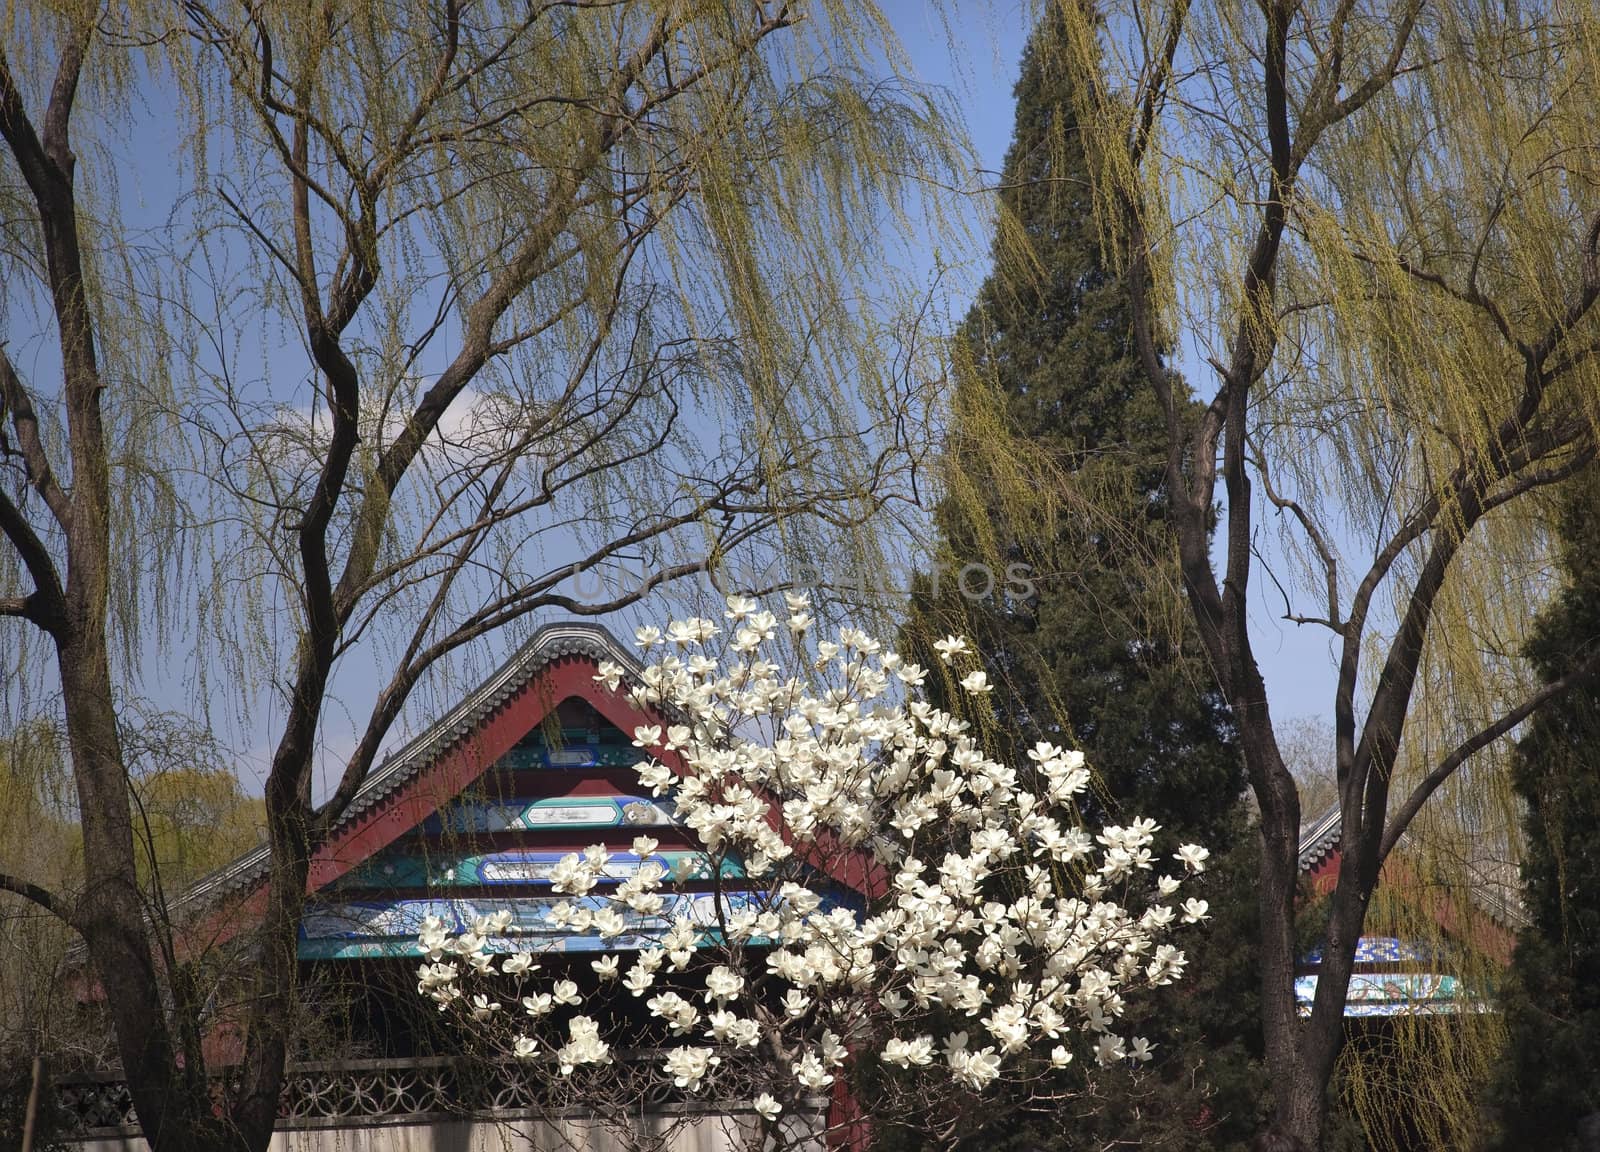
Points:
x=1548 y=1092
x=1098 y=653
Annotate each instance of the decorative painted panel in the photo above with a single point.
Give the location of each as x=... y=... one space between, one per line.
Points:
x=1396 y=994
x=442 y=869
x=607 y=748
x=561 y=812
x=389 y=928
x=353 y=917
x=1382 y=950
x=1391 y=993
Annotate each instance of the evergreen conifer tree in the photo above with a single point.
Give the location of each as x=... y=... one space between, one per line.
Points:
x=1548 y=1091
x=1084 y=633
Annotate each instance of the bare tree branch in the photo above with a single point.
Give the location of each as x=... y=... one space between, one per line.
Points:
x=47 y=609
x=1330 y=562
x=1407 y=812
x=15 y=398
x=40 y=897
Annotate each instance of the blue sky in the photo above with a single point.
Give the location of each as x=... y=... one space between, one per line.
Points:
x=969 y=50
x=972 y=52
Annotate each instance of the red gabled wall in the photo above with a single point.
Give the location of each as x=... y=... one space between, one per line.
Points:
x=1475 y=929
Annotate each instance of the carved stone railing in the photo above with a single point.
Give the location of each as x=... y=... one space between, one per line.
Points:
x=346 y=1092
x=94 y=1103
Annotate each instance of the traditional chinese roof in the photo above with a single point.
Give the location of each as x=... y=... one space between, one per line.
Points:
x=550 y=644
x=1494 y=889
x=1395 y=976
x=471 y=818
x=1318 y=839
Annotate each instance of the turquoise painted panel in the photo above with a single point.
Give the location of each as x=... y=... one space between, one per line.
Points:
x=1382 y=950
x=369 y=928
x=572 y=754
x=561 y=812
x=402 y=870
x=536 y=867
x=1396 y=994
x=407 y=949
x=567 y=756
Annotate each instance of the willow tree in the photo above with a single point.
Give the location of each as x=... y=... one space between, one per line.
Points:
x=401 y=322
x=1374 y=232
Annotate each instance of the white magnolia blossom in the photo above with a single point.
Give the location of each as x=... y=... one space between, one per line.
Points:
x=483 y=1007
x=584 y=1047
x=989 y=933
x=566 y=992
x=908 y=1052
x=517 y=964
x=1193 y=857
x=688 y=1066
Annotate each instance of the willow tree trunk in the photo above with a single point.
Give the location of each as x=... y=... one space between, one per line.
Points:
x=1301 y=105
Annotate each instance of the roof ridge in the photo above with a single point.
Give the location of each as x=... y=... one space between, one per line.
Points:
x=1320 y=836
x=549 y=642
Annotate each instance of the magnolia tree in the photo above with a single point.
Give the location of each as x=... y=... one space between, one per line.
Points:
x=983 y=938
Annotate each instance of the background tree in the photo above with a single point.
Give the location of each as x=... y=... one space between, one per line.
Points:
x=193 y=821
x=1078 y=615
x=453 y=312
x=35 y=1010
x=190 y=817
x=1546 y=1093
x=1376 y=228
x=1306 y=744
